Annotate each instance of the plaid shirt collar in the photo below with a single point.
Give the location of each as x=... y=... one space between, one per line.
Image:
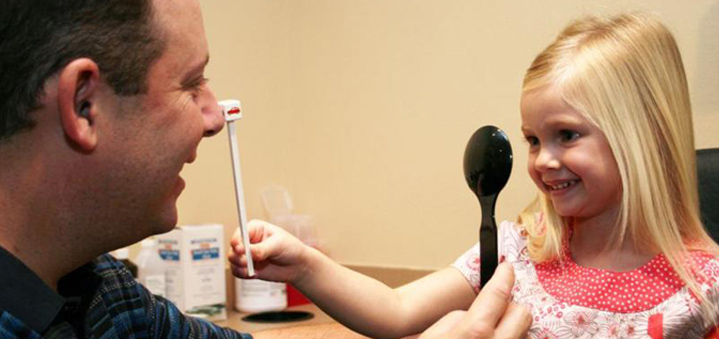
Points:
x=30 y=300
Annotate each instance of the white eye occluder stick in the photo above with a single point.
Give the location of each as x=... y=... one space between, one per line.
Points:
x=232 y=110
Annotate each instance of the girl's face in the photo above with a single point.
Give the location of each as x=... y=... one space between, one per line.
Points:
x=569 y=157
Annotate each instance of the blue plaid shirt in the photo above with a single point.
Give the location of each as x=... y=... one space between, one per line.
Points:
x=98 y=300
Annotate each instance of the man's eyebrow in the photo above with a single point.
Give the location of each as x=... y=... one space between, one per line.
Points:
x=199 y=68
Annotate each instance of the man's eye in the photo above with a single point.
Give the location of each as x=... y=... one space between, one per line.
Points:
x=568 y=135
x=196 y=85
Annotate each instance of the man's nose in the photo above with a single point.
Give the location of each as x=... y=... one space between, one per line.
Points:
x=212 y=115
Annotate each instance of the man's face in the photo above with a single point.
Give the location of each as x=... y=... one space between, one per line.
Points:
x=155 y=134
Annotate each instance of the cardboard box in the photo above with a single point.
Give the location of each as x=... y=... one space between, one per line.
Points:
x=195 y=278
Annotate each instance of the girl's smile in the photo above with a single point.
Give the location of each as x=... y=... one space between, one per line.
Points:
x=561 y=186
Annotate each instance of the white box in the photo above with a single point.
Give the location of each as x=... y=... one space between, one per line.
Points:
x=195 y=278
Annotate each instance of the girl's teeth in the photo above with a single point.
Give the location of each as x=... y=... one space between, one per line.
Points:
x=563 y=185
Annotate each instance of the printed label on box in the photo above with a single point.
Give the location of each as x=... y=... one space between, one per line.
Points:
x=195 y=275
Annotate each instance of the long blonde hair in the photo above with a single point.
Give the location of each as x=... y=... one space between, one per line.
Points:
x=625 y=75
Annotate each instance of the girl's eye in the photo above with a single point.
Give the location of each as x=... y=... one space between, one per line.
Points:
x=533 y=141
x=568 y=135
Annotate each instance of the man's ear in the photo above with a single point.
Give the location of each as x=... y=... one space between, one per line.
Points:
x=78 y=92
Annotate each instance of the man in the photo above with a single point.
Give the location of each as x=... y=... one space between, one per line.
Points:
x=102 y=102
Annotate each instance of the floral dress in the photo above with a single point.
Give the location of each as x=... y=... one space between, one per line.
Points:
x=570 y=301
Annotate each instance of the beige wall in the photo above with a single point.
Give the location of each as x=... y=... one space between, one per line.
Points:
x=362 y=109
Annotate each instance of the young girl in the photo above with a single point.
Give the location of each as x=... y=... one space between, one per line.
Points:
x=612 y=247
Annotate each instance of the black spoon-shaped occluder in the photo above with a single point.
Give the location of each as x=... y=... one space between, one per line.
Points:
x=487 y=166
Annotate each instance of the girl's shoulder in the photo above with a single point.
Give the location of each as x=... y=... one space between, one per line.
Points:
x=706 y=264
x=507 y=226
x=511 y=241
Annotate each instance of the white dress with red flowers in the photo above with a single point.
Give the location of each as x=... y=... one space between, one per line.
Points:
x=571 y=301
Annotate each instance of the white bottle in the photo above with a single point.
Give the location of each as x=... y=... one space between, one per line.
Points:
x=151 y=268
x=255 y=295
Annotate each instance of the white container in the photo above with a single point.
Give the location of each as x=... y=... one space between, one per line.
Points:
x=195 y=276
x=255 y=295
x=151 y=268
x=123 y=256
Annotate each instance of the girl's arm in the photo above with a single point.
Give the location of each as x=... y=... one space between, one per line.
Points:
x=357 y=301
x=372 y=308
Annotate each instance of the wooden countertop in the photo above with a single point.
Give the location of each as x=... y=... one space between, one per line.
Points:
x=393 y=277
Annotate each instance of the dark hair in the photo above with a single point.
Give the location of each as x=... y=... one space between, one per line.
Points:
x=40 y=37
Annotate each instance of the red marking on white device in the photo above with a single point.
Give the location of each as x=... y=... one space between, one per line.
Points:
x=231 y=109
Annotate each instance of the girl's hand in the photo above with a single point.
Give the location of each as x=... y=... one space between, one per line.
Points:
x=277 y=255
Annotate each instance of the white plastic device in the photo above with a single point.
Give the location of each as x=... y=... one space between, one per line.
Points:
x=232 y=110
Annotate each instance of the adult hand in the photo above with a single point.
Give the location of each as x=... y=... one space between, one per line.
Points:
x=491 y=315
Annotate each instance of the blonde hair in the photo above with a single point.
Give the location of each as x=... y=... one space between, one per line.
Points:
x=625 y=75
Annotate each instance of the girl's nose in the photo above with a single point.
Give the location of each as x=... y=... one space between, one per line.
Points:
x=546 y=160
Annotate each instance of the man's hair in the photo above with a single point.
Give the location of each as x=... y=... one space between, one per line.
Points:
x=40 y=37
